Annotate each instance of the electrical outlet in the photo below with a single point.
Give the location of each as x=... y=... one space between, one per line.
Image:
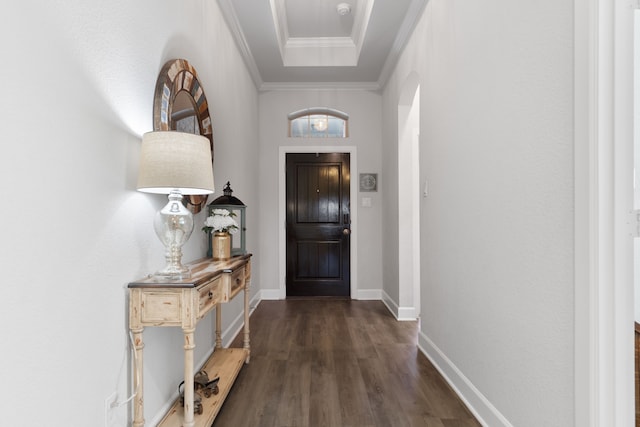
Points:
x=109 y=409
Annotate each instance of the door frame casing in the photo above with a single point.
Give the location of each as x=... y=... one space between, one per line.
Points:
x=282 y=211
x=603 y=380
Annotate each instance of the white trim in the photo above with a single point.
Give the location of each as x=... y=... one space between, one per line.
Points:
x=402 y=314
x=318 y=110
x=477 y=403
x=409 y=236
x=320 y=51
x=369 y=294
x=366 y=86
x=623 y=312
x=603 y=283
x=282 y=214
x=407 y=314
x=229 y=13
x=414 y=12
x=391 y=304
x=317 y=42
x=272 y=294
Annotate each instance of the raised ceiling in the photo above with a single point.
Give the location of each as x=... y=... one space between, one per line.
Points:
x=310 y=43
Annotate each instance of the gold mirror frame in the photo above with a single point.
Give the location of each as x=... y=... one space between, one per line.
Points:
x=178 y=76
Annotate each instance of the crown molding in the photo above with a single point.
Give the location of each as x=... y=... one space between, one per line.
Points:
x=229 y=13
x=409 y=23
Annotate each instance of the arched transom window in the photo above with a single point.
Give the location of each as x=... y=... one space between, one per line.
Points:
x=318 y=122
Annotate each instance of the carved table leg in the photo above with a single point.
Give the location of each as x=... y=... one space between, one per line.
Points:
x=218 y=326
x=246 y=345
x=189 y=345
x=138 y=402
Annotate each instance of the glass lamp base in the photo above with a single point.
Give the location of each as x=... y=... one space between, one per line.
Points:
x=173 y=273
x=173 y=225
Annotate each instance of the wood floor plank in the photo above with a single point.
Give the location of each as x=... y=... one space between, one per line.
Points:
x=352 y=391
x=294 y=406
x=362 y=346
x=325 y=404
x=385 y=403
x=337 y=363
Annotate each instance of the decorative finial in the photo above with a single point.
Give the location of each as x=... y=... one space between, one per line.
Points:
x=227 y=189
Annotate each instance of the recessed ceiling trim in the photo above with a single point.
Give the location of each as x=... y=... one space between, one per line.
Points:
x=367 y=86
x=361 y=22
x=265 y=64
x=279 y=14
x=319 y=42
x=321 y=51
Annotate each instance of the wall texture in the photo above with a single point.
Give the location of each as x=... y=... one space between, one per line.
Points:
x=79 y=79
x=497 y=242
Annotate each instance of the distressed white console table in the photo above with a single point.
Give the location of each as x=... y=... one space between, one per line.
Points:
x=183 y=303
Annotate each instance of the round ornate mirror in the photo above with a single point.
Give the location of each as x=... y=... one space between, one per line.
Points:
x=180 y=104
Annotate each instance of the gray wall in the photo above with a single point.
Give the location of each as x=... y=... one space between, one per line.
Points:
x=79 y=80
x=496 y=145
x=364 y=112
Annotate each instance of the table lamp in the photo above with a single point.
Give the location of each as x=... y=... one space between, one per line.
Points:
x=176 y=164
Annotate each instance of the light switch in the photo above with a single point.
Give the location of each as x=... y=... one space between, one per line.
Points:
x=366 y=202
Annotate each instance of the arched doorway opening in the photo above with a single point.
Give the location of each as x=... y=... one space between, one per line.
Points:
x=409 y=199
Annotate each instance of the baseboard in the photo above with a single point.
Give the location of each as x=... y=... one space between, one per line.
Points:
x=391 y=304
x=272 y=294
x=400 y=313
x=477 y=403
x=407 y=314
x=361 y=294
x=369 y=294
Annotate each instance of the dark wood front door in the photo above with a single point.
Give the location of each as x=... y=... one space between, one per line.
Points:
x=318 y=224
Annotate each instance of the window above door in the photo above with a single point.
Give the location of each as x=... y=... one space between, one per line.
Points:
x=318 y=122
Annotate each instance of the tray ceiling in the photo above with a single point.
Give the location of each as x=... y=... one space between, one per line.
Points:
x=314 y=43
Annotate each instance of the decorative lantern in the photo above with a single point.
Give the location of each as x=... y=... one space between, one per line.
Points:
x=237 y=208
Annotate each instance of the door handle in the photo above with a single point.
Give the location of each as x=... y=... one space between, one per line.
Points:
x=346 y=231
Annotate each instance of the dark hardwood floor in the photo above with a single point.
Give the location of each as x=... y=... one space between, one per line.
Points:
x=329 y=362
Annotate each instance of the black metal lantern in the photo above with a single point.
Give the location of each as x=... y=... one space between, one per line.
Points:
x=238 y=210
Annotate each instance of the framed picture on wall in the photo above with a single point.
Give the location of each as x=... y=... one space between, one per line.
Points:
x=368 y=181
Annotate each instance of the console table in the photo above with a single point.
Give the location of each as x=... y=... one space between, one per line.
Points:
x=182 y=303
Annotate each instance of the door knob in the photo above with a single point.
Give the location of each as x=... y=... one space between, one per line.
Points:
x=346 y=231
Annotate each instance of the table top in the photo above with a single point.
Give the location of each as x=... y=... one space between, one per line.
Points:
x=202 y=271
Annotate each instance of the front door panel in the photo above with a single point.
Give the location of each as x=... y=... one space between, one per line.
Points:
x=318 y=220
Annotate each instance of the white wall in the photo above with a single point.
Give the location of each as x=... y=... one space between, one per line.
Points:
x=78 y=82
x=497 y=248
x=363 y=108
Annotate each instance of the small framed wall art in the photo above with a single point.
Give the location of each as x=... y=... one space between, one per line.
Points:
x=368 y=181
